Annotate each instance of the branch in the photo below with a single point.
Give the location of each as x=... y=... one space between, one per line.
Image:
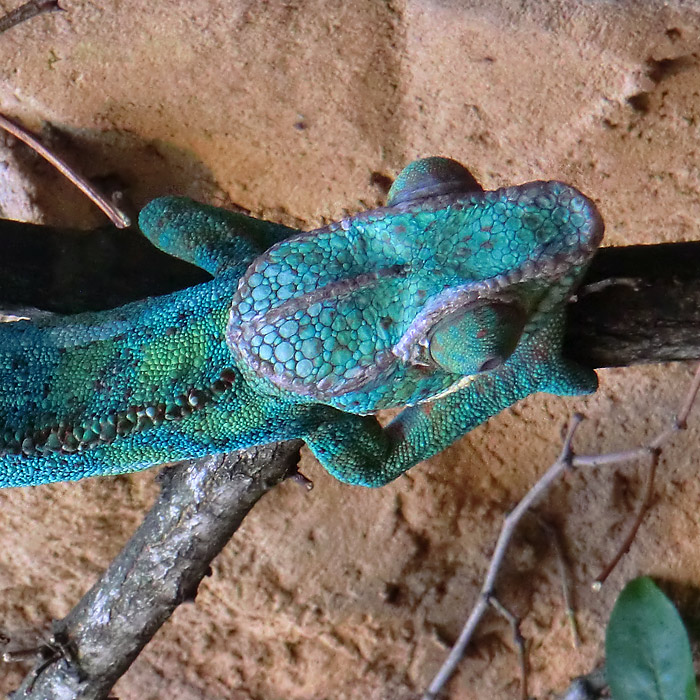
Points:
x=69 y=270
x=201 y=505
x=637 y=303
x=118 y=217
x=27 y=11
x=510 y=523
x=566 y=460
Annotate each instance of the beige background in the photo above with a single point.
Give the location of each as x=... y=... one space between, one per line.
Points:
x=295 y=111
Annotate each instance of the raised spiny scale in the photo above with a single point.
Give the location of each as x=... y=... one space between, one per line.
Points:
x=65 y=438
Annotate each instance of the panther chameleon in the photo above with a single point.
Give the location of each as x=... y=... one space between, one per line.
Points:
x=448 y=302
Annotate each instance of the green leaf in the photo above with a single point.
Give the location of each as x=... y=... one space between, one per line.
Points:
x=646 y=647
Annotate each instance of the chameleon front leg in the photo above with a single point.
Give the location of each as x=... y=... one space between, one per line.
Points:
x=357 y=450
x=214 y=239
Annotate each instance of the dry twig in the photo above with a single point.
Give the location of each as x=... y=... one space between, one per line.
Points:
x=518 y=640
x=627 y=542
x=116 y=216
x=27 y=11
x=510 y=523
x=566 y=460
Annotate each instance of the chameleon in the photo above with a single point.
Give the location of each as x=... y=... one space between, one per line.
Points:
x=447 y=303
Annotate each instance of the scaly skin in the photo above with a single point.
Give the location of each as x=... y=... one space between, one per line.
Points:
x=449 y=301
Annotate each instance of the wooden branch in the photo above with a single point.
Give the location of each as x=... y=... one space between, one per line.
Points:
x=25 y=12
x=69 y=270
x=118 y=217
x=201 y=505
x=637 y=303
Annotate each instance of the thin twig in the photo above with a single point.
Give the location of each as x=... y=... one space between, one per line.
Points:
x=116 y=216
x=681 y=421
x=677 y=424
x=27 y=11
x=653 y=449
x=565 y=460
x=510 y=523
x=627 y=542
x=562 y=565
x=16 y=655
x=518 y=640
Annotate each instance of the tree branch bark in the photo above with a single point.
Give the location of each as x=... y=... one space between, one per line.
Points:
x=201 y=505
x=637 y=303
x=646 y=307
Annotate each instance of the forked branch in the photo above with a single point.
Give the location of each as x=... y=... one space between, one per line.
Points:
x=566 y=460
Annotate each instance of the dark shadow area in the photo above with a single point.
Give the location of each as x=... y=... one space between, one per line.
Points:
x=63 y=269
x=66 y=271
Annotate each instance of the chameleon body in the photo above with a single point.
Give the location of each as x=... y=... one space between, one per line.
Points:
x=448 y=302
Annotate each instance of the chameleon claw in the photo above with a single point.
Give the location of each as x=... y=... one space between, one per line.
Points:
x=302 y=480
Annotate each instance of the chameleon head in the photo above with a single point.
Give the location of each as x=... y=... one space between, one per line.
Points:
x=441 y=281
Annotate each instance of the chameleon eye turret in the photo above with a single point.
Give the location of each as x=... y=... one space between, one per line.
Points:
x=431 y=177
x=476 y=339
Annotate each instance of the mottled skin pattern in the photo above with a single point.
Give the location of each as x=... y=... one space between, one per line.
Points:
x=449 y=301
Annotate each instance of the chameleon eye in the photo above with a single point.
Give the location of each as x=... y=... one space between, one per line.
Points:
x=478 y=338
x=431 y=177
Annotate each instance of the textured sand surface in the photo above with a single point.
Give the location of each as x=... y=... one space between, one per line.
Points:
x=302 y=111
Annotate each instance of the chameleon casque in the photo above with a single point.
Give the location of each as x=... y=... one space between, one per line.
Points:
x=449 y=302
